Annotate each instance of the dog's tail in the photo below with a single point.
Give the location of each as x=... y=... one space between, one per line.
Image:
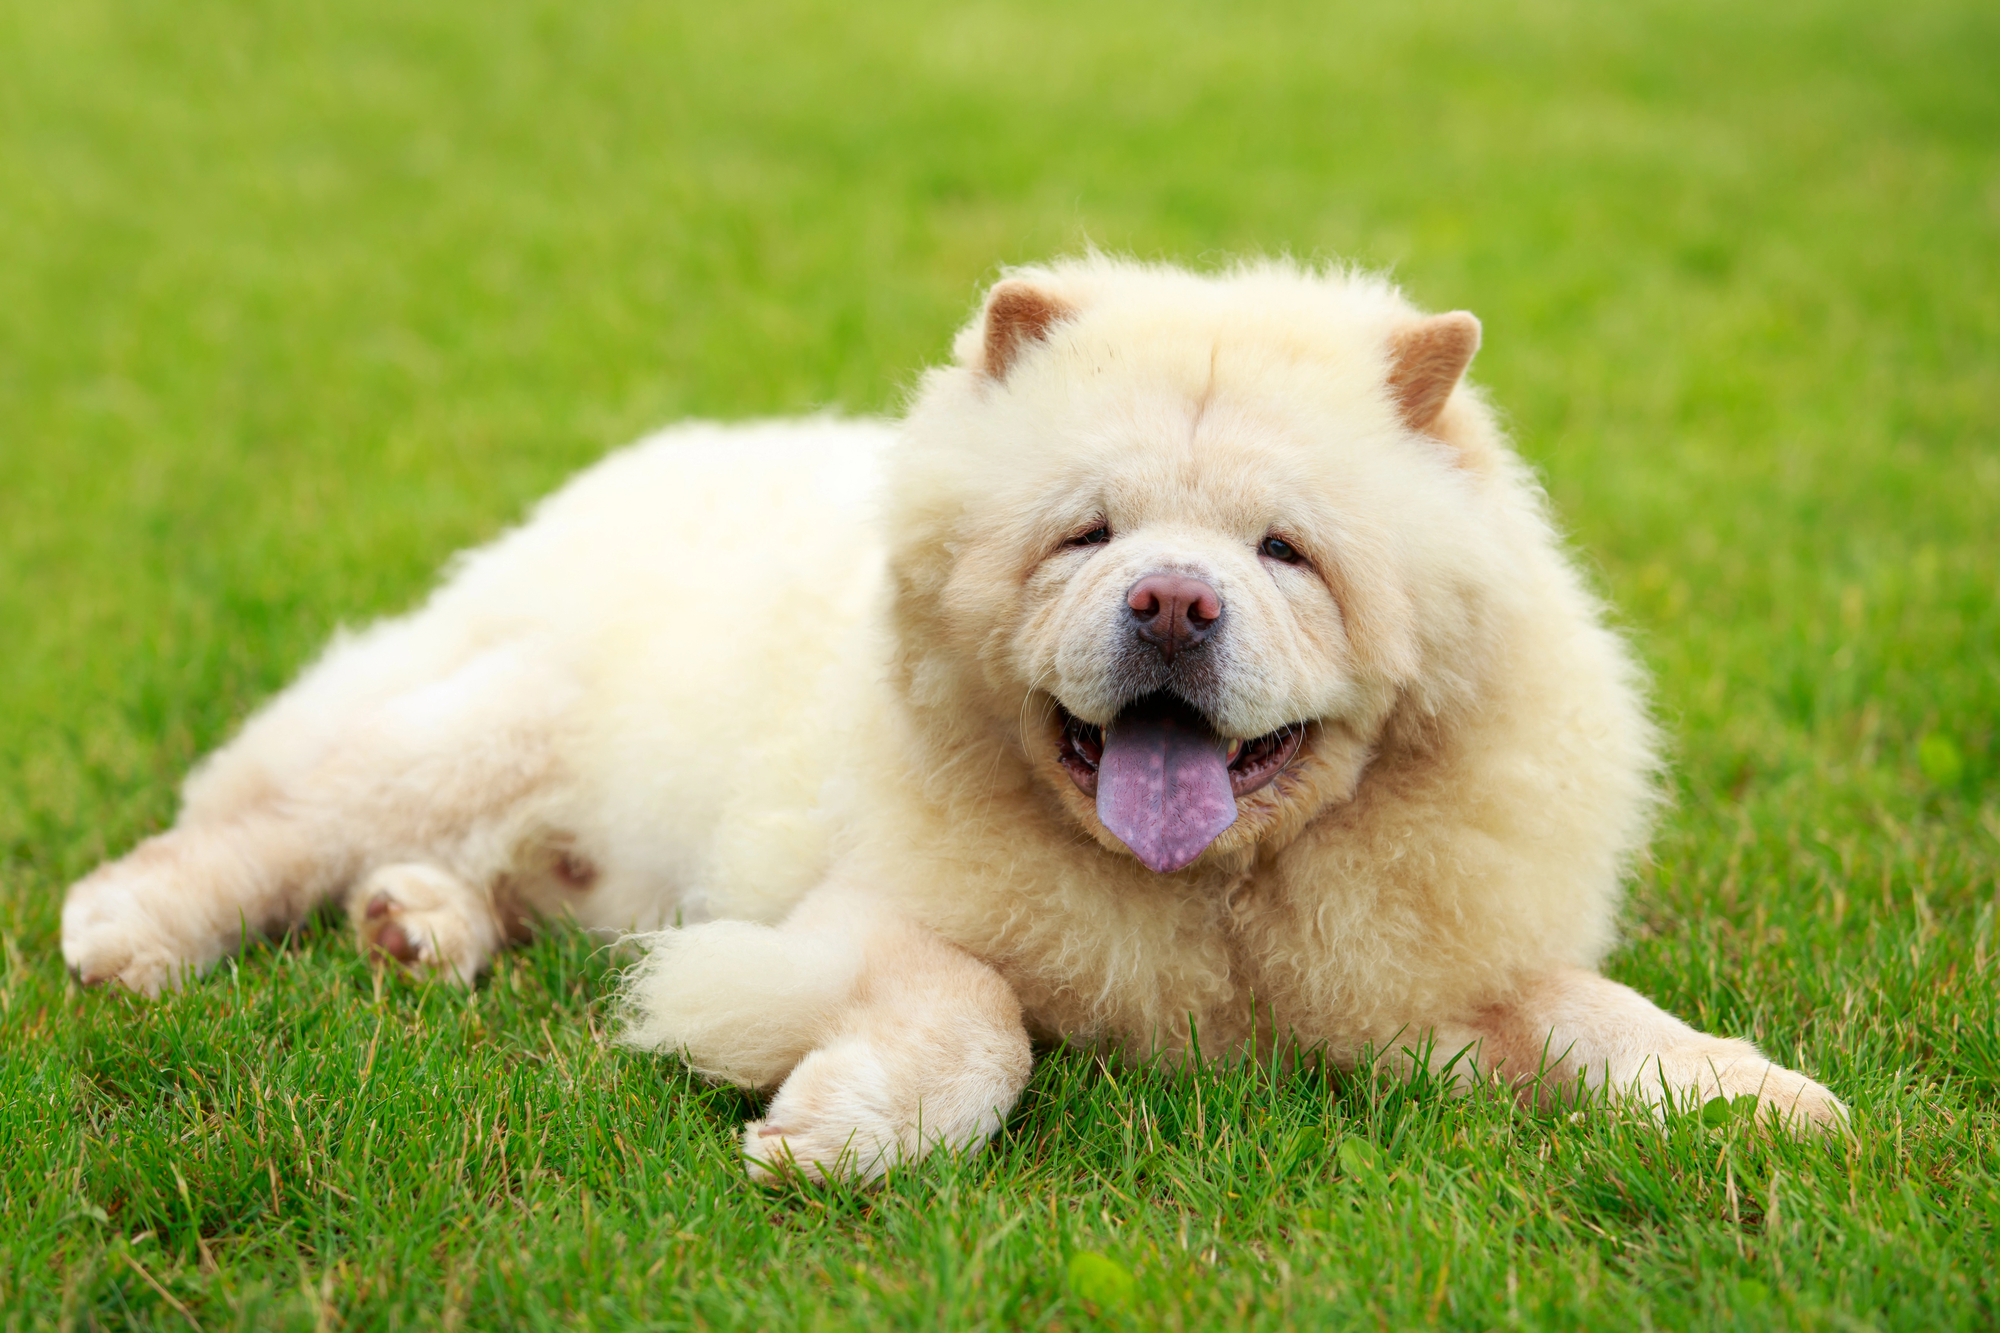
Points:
x=739 y=1002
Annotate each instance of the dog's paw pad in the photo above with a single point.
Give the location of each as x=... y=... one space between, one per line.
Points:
x=425 y=920
x=384 y=933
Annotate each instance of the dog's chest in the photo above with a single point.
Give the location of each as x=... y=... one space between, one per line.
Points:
x=1164 y=972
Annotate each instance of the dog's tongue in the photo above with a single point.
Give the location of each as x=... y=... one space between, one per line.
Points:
x=1163 y=783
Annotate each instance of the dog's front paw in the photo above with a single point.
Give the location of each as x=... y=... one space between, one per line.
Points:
x=426 y=920
x=1717 y=1067
x=1785 y=1097
x=859 y=1105
x=835 y=1118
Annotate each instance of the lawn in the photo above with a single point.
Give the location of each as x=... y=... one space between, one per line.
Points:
x=297 y=299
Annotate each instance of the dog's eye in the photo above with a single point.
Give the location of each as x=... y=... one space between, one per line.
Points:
x=1277 y=548
x=1097 y=536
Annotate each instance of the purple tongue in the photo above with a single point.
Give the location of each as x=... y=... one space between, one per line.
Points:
x=1163 y=784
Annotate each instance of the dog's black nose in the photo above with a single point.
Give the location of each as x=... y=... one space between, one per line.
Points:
x=1172 y=611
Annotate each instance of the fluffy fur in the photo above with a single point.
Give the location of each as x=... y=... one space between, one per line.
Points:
x=796 y=696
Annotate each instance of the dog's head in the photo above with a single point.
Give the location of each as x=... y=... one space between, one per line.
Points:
x=1185 y=543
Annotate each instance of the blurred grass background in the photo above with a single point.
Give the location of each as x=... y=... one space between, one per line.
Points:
x=295 y=300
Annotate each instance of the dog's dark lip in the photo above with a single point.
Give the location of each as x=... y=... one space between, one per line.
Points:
x=1252 y=763
x=1080 y=748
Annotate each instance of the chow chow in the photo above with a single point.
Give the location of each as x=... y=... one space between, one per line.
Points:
x=1194 y=657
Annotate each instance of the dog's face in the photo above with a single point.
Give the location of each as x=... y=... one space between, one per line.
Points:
x=1193 y=557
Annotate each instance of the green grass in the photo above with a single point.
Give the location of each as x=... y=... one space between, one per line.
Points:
x=297 y=299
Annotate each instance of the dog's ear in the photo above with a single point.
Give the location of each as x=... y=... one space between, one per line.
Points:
x=1426 y=361
x=1017 y=313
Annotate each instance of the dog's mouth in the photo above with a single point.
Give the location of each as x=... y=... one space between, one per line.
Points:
x=1165 y=780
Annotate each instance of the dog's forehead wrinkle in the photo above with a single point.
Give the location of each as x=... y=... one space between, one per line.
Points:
x=1205 y=397
x=1229 y=488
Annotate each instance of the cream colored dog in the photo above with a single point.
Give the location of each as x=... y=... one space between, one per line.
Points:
x=1196 y=656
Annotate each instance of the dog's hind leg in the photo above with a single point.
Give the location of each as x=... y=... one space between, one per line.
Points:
x=435 y=783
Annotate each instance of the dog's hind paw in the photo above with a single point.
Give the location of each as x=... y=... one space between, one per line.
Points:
x=426 y=919
x=141 y=970
x=131 y=923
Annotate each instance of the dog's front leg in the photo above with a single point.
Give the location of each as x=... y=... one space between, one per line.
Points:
x=931 y=1054
x=1575 y=1026
x=884 y=1041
